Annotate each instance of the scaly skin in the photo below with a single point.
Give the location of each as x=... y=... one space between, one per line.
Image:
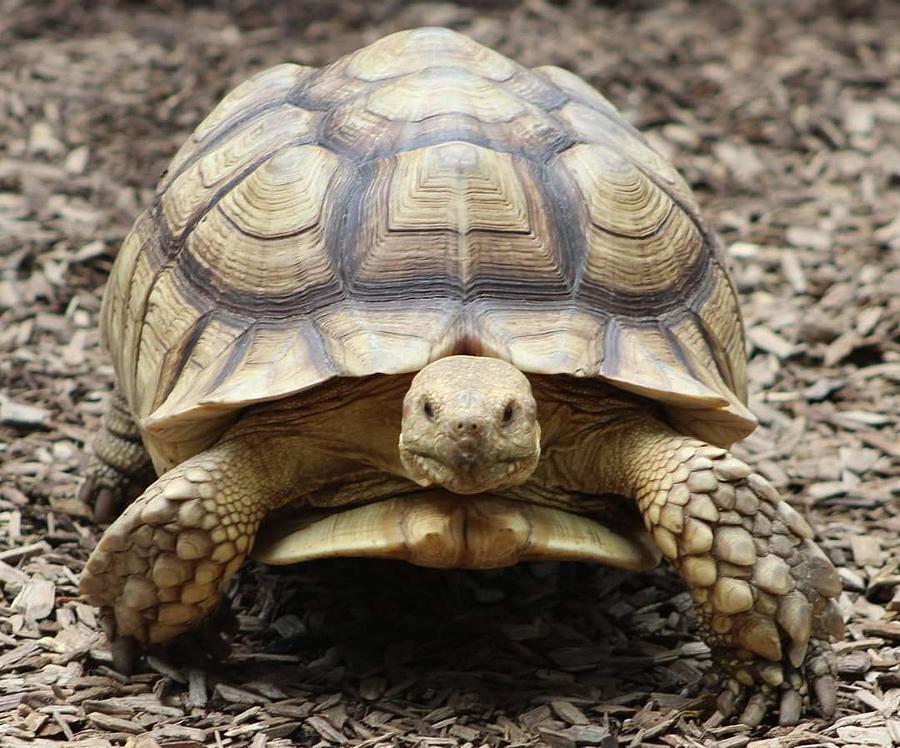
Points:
x=763 y=590
x=119 y=459
x=160 y=567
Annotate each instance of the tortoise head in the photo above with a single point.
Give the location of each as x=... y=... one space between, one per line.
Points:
x=470 y=425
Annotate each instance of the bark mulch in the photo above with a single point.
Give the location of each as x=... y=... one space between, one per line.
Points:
x=784 y=117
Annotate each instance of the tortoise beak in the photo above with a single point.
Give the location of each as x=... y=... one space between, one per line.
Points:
x=465 y=455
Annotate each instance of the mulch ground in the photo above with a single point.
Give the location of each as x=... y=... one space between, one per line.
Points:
x=784 y=117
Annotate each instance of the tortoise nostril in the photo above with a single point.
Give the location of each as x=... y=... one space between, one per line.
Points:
x=466 y=427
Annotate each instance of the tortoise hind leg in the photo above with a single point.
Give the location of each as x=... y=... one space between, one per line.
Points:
x=119 y=460
x=159 y=568
x=762 y=589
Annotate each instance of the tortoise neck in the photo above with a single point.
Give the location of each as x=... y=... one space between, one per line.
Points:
x=592 y=436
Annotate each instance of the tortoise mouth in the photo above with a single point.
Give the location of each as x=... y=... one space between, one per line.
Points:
x=439 y=529
x=462 y=476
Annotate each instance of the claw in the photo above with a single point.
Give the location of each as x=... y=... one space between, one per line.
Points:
x=121 y=647
x=103 y=498
x=832 y=621
x=818 y=666
x=726 y=703
x=755 y=710
x=790 y=708
x=826 y=694
x=797 y=652
x=123 y=654
x=105 y=505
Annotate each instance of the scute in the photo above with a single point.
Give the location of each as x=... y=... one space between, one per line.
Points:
x=252 y=98
x=433 y=92
x=196 y=188
x=420 y=197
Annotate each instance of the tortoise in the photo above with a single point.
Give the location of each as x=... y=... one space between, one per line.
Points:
x=460 y=312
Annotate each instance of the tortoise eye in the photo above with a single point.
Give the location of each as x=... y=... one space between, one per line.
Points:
x=507 y=414
x=428 y=410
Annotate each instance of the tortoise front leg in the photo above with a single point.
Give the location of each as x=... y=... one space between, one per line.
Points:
x=160 y=567
x=763 y=590
x=119 y=459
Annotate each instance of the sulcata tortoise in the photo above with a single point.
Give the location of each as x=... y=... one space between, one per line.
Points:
x=464 y=315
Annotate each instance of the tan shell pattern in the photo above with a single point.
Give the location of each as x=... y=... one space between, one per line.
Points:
x=420 y=197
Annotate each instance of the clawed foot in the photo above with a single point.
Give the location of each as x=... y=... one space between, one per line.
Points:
x=753 y=685
x=105 y=489
x=770 y=627
x=770 y=611
x=119 y=462
x=159 y=568
x=202 y=647
x=763 y=589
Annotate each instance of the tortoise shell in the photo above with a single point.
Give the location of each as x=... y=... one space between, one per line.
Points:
x=420 y=197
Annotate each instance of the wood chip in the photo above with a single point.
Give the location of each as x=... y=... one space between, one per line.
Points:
x=867 y=550
x=765 y=339
x=569 y=713
x=115 y=724
x=37 y=599
x=886 y=630
x=22 y=414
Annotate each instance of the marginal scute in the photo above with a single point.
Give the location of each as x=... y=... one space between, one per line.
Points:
x=716 y=314
x=564 y=341
x=576 y=88
x=643 y=361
